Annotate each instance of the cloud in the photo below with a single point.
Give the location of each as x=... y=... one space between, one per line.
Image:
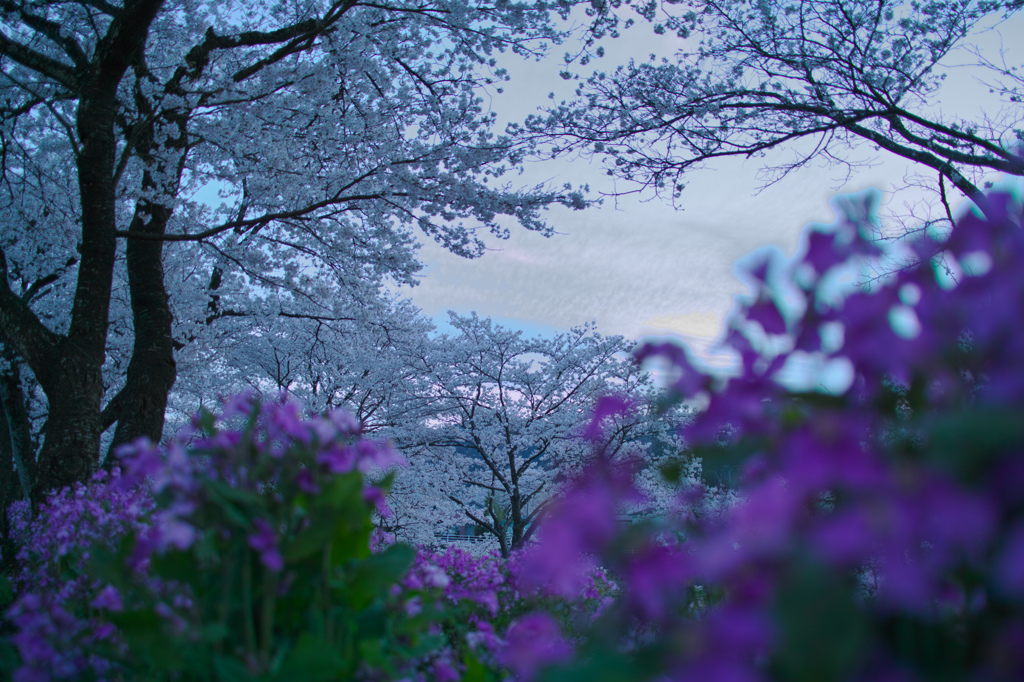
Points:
x=705 y=324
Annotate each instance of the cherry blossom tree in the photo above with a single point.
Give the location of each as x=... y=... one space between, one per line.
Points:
x=834 y=74
x=505 y=427
x=166 y=165
x=363 y=361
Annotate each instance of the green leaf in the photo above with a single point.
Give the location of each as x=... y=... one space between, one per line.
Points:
x=313 y=659
x=9 y=659
x=227 y=669
x=475 y=670
x=603 y=665
x=175 y=564
x=205 y=421
x=345 y=492
x=144 y=633
x=371 y=623
x=373 y=577
x=233 y=494
x=965 y=441
x=312 y=539
x=823 y=634
x=215 y=632
x=108 y=565
x=939 y=652
x=6 y=590
x=236 y=516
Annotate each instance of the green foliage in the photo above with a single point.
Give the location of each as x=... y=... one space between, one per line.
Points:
x=275 y=579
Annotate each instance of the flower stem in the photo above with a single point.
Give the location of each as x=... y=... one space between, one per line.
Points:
x=248 y=624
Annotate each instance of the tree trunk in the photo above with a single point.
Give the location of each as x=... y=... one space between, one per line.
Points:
x=14 y=415
x=69 y=369
x=152 y=370
x=71 y=445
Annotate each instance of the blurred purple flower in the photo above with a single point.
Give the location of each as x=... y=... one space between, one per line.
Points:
x=443 y=671
x=305 y=482
x=377 y=456
x=108 y=598
x=172 y=531
x=653 y=575
x=606 y=407
x=765 y=312
x=581 y=527
x=337 y=459
x=284 y=418
x=1009 y=567
x=691 y=380
x=264 y=541
x=140 y=459
x=822 y=252
x=239 y=404
x=378 y=499
x=531 y=643
x=345 y=421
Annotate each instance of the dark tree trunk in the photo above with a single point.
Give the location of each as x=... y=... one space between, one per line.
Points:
x=74 y=388
x=69 y=368
x=18 y=438
x=152 y=370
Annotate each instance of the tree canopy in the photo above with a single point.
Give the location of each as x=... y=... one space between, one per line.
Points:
x=504 y=426
x=758 y=76
x=168 y=165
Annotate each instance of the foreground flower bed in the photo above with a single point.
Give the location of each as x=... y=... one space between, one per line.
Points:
x=246 y=554
x=880 y=536
x=882 y=532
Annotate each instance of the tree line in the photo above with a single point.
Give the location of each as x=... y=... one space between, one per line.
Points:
x=334 y=132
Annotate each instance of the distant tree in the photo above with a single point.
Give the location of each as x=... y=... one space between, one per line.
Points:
x=164 y=164
x=503 y=432
x=363 y=361
x=765 y=75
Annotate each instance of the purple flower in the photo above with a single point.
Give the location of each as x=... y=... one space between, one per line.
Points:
x=413 y=607
x=305 y=482
x=173 y=531
x=435 y=577
x=239 y=404
x=582 y=526
x=1009 y=568
x=140 y=459
x=654 y=575
x=531 y=643
x=345 y=421
x=846 y=537
x=108 y=598
x=822 y=253
x=377 y=456
x=285 y=418
x=443 y=671
x=264 y=541
x=607 y=406
x=484 y=637
x=378 y=499
x=338 y=460
x=766 y=313
x=691 y=381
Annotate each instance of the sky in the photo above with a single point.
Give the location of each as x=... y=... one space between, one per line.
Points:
x=637 y=266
